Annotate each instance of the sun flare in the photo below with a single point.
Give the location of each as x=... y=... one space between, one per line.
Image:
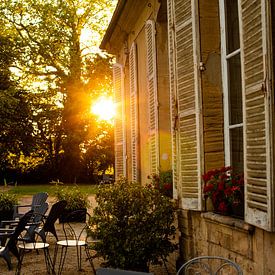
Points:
x=104 y=108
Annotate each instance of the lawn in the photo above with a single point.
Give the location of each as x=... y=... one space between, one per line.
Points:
x=22 y=190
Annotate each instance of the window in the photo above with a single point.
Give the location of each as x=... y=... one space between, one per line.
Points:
x=232 y=84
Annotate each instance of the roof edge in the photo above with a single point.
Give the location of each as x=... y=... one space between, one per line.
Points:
x=116 y=15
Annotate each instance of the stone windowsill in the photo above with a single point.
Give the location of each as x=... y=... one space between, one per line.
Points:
x=229 y=221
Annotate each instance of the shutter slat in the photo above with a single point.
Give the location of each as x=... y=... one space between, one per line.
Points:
x=153 y=96
x=134 y=113
x=173 y=96
x=256 y=130
x=120 y=150
x=185 y=89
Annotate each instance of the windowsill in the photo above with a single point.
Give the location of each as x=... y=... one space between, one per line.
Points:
x=229 y=221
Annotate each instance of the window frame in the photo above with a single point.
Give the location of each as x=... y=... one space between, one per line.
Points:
x=225 y=82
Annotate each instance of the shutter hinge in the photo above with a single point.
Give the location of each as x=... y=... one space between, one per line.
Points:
x=263 y=87
x=158 y=104
x=202 y=66
x=175 y=126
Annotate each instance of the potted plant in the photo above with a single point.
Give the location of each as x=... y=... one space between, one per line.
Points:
x=7 y=202
x=134 y=224
x=163 y=182
x=226 y=191
x=76 y=200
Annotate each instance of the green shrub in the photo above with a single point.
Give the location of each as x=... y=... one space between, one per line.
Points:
x=7 y=200
x=74 y=197
x=134 y=224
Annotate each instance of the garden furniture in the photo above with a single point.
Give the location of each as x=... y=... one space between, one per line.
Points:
x=213 y=265
x=42 y=232
x=37 y=200
x=12 y=239
x=49 y=224
x=34 y=246
x=36 y=220
x=75 y=236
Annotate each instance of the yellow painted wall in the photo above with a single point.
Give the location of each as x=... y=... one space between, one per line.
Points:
x=137 y=35
x=212 y=99
x=164 y=97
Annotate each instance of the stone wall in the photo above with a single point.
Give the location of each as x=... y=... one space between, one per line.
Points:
x=215 y=235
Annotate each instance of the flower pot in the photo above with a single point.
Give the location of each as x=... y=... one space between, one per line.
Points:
x=66 y=215
x=222 y=208
x=238 y=210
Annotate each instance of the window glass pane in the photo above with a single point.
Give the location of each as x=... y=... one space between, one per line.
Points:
x=236 y=140
x=235 y=90
x=232 y=25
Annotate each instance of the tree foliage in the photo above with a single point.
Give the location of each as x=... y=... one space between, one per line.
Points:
x=57 y=70
x=15 y=114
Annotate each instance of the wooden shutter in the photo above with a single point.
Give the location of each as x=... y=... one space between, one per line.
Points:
x=259 y=185
x=134 y=113
x=189 y=102
x=120 y=138
x=152 y=96
x=173 y=95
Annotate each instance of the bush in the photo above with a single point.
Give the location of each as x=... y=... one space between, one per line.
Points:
x=134 y=224
x=7 y=201
x=74 y=197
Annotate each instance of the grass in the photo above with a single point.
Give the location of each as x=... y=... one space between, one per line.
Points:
x=22 y=190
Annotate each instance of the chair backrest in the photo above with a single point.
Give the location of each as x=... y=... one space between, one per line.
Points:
x=213 y=265
x=55 y=212
x=13 y=239
x=37 y=219
x=74 y=230
x=38 y=199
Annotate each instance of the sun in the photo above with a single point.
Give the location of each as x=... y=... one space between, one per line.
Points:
x=104 y=108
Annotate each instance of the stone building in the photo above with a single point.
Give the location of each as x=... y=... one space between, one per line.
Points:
x=194 y=85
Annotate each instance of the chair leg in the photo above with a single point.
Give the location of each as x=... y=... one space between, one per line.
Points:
x=7 y=258
x=48 y=261
x=55 y=255
x=20 y=261
x=89 y=256
x=78 y=253
x=62 y=259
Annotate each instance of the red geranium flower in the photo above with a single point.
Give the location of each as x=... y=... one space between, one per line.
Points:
x=223 y=187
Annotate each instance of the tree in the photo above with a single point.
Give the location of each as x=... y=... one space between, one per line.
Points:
x=15 y=113
x=98 y=153
x=50 y=51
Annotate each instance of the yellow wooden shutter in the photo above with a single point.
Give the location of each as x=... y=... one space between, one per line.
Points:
x=190 y=153
x=120 y=142
x=153 y=96
x=134 y=113
x=173 y=95
x=259 y=182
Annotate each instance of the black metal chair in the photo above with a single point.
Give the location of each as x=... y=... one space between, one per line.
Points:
x=213 y=265
x=37 y=200
x=49 y=225
x=37 y=219
x=75 y=236
x=12 y=239
x=42 y=232
x=34 y=246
